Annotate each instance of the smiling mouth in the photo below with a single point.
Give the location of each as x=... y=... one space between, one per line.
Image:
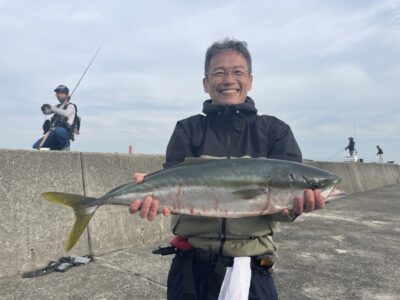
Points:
x=229 y=91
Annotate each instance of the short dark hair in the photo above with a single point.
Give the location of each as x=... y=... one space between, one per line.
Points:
x=227 y=44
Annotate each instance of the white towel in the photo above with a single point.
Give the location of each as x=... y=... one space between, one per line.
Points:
x=236 y=284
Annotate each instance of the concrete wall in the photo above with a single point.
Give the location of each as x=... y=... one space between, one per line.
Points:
x=358 y=177
x=113 y=227
x=33 y=231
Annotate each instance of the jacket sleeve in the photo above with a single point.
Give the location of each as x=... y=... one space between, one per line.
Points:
x=179 y=146
x=68 y=112
x=283 y=144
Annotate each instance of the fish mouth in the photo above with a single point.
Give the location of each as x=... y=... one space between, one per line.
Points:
x=337 y=179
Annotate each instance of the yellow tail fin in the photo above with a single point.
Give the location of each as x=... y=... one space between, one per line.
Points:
x=83 y=213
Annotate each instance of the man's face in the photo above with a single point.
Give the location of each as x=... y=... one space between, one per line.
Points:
x=229 y=79
x=61 y=96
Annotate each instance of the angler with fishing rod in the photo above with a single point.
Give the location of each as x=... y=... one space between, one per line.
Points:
x=61 y=128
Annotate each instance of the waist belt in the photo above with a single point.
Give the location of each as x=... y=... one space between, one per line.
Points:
x=200 y=256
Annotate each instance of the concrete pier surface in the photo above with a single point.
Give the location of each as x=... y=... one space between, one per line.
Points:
x=349 y=250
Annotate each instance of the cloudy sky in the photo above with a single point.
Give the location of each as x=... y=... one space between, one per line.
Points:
x=330 y=69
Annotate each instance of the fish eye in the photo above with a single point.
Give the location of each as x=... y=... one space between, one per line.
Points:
x=315 y=185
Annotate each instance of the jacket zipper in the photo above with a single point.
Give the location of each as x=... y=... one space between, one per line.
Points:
x=223 y=222
x=223 y=235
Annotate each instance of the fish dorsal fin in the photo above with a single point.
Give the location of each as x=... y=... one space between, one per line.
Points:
x=188 y=161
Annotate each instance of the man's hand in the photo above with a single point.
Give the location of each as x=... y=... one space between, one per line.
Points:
x=45 y=107
x=310 y=201
x=148 y=206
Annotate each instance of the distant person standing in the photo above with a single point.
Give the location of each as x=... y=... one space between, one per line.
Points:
x=380 y=154
x=351 y=146
x=59 y=129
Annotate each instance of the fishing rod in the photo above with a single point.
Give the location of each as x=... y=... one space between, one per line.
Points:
x=336 y=154
x=73 y=91
x=87 y=68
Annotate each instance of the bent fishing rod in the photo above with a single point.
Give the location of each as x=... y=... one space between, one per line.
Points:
x=73 y=91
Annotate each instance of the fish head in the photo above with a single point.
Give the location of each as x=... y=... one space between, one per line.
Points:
x=317 y=179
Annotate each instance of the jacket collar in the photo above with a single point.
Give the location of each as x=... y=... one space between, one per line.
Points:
x=243 y=109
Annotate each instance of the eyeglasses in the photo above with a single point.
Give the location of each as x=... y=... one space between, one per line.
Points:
x=225 y=73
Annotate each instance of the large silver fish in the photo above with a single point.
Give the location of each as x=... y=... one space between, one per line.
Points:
x=230 y=188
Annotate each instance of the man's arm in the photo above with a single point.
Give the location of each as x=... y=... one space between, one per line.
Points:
x=179 y=146
x=283 y=144
x=68 y=112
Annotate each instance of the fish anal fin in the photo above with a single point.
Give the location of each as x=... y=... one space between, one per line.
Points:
x=250 y=193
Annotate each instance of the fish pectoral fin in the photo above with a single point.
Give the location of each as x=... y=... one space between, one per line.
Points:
x=250 y=193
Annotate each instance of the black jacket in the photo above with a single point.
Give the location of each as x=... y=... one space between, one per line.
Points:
x=232 y=131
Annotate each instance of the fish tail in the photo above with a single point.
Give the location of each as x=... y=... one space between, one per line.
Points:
x=83 y=213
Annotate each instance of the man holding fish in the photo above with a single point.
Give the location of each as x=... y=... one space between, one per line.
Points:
x=208 y=249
